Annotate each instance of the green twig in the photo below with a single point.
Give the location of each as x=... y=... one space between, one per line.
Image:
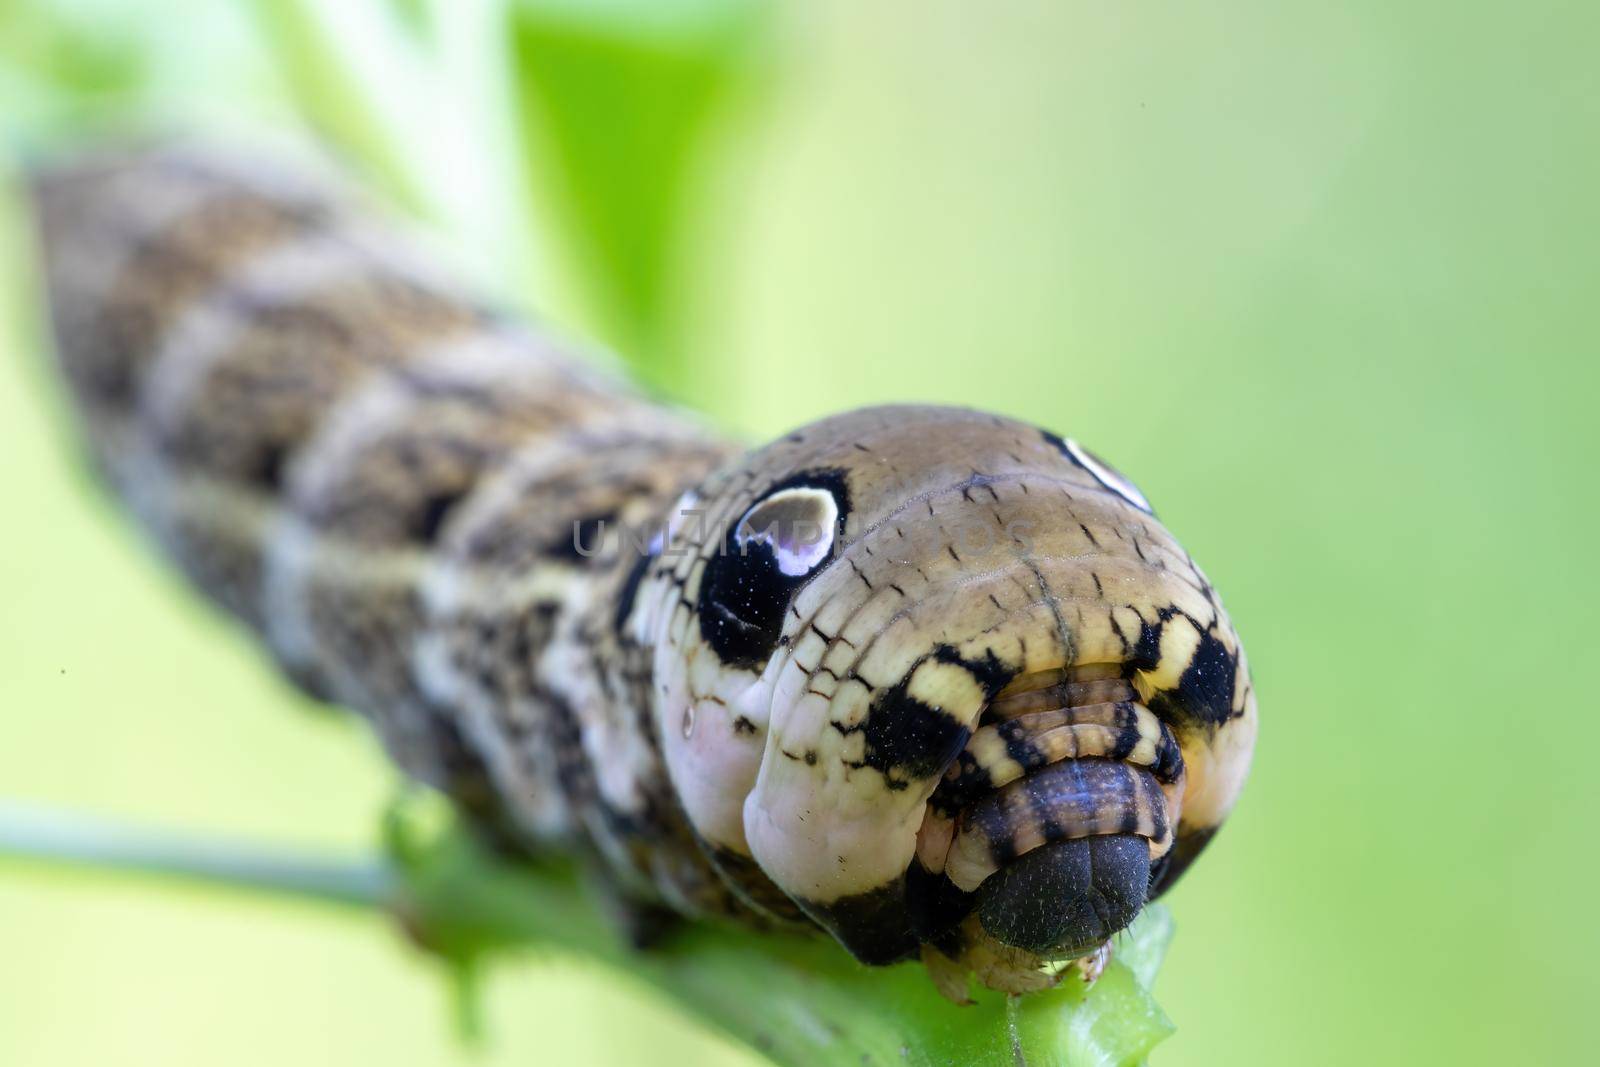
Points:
x=52 y=837
x=798 y=1001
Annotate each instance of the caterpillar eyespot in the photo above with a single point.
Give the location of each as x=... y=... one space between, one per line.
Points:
x=795 y=526
x=779 y=542
x=932 y=681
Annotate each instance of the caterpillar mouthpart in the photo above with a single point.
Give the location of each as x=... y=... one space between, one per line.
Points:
x=1048 y=834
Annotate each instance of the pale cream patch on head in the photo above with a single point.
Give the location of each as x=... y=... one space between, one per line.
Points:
x=1217 y=767
x=712 y=725
x=944 y=685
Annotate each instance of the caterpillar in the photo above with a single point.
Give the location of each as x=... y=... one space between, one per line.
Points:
x=933 y=681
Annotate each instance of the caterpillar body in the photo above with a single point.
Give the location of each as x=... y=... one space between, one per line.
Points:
x=934 y=681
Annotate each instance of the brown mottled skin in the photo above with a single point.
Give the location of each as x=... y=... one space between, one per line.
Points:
x=933 y=680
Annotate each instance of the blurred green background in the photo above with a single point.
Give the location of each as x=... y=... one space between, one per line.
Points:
x=1321 y=278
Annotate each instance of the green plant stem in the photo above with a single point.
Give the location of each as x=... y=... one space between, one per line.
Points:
x=798 y=1001
x=47 y=836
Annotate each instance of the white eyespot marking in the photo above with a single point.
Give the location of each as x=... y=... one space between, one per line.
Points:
x=798 y=525
x=1107 y=476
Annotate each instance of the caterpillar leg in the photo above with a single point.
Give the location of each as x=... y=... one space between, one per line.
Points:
x=1092 y=966
x=1000 y=966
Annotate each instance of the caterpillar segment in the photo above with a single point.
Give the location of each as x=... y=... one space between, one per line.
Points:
x=933 y=681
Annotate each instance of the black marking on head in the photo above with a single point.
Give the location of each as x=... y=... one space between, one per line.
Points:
x=1146 y=652
x=991 y=672
x=746 y=588
x=872 y=925
x=1205 y=690
x=907 y=740
x=1057 y=442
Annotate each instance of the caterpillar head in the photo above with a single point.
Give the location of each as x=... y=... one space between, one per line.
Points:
x=943 y=683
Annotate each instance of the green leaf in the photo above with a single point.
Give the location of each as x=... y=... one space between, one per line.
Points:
x=418 y=96
x=616 y=102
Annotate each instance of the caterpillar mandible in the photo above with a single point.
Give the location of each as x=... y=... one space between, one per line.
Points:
x=934 y=681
